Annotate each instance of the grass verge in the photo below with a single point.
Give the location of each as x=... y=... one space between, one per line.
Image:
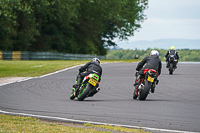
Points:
x=18 y=124
x=33 y=68
x=117 y=128
x=38 y=68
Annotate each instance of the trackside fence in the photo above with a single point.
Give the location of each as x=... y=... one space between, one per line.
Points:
x=25 y=55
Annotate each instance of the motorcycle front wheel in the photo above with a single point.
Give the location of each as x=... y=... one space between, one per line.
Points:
x=135 y=94
x=171 y=68
x=72 y=95
x=144 y=92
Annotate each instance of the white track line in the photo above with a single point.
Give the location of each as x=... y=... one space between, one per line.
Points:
x=59 y=71
x=25 y=79
x=81 y=121
x=97 y=123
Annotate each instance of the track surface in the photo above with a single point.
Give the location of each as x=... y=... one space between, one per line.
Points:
x=175 y=105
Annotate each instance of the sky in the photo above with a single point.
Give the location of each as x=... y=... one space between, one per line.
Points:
x=170 y=19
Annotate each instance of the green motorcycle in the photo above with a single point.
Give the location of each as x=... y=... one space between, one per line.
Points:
x=88 y=88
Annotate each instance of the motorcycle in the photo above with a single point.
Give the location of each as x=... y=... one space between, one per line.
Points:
x=88 y=87
x=146 y=85
x=172 y=64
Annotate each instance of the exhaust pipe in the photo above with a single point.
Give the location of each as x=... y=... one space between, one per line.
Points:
x=98 y=89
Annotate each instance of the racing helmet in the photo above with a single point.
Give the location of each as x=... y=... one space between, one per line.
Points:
x=154 y=52
x=172 y=47
x=96 y=60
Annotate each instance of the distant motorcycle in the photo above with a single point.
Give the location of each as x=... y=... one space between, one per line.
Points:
x=88 y=88
x=172 y=64
x=147 y=84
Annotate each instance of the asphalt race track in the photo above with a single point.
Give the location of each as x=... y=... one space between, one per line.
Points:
x=175 y=105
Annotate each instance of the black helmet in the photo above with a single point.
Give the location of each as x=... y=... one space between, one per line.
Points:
x=96 y=60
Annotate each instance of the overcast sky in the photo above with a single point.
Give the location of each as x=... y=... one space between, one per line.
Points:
x=170 y=19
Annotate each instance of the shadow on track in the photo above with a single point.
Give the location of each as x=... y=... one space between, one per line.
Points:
x=126 y=100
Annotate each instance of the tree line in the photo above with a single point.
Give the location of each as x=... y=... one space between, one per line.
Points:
x=70 y=26
x=184 y=54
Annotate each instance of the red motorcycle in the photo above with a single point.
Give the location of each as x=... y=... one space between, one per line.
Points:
x=146 y=85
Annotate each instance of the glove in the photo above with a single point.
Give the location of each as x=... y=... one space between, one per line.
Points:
x=136 y=74
x=80 y=70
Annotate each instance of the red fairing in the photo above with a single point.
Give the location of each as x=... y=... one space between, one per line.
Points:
x=140 y=82
x=135 y=82
x=146 y=70
x=87 y=77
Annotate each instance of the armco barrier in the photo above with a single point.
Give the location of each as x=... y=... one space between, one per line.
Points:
x=1 y=56
x=7 y=55
x=25 y=55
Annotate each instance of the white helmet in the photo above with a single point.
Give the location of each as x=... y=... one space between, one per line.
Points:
x=96 y=60
x=154 y=52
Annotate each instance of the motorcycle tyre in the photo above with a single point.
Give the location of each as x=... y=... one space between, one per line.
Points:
x=171 y=68
x=85 y=93
x=134 y=95
x=72 y=96
x=144 y=93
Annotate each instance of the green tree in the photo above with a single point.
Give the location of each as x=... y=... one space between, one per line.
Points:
x=101 y=21
x=18 y=25
x=25 y=22
x=81 y=26
x=184 y=54
x=54 y=19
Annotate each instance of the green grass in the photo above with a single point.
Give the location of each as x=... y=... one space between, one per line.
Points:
x=117 y=128
x=17 y=124
x=33 y=68
x=38 y=68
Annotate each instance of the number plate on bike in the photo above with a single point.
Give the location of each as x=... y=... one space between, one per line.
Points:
x=150 y=79
x=92 y=81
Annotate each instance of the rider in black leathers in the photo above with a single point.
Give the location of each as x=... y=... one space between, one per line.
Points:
x=150 y=62
x=172 y=51
x=90 y=67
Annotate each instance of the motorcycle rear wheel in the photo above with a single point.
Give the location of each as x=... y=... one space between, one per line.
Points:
x=85 y=93
x=144 y=92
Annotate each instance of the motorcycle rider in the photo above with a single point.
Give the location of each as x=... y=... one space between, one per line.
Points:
x=172 y=51
x=149 y=62
x=90 y=67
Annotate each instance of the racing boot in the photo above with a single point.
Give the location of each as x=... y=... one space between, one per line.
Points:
x=76 y=88
x=138 y=80
x=157 y=81
x=175 y=66
x=153 y=88
x=167 y=66
x=78 y=84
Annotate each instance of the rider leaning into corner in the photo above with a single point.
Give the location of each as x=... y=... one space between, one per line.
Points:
x=149 y=62
x=172 y=51
x=89 y=68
